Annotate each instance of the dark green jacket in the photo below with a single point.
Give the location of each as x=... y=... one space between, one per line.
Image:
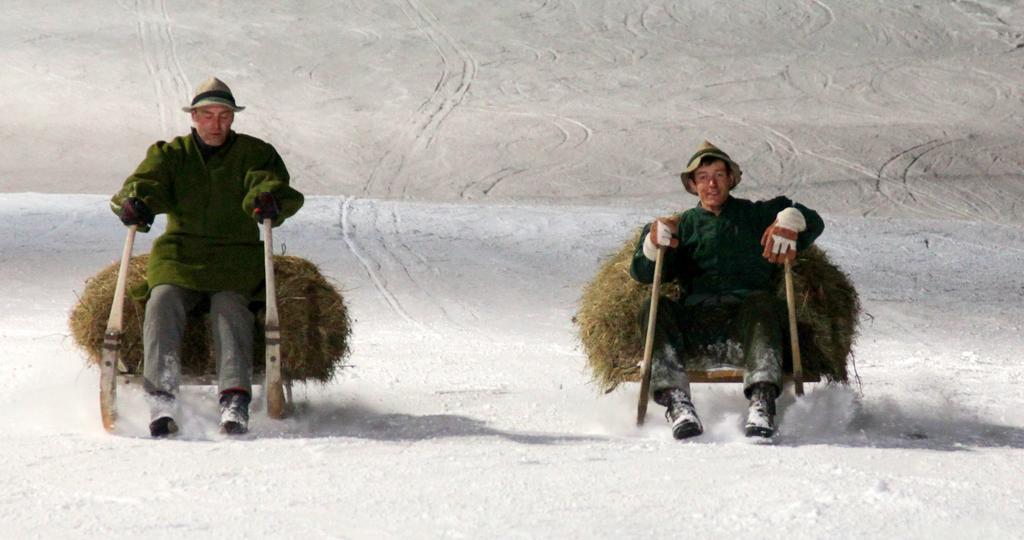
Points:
x=721 y=255
x=212 y=242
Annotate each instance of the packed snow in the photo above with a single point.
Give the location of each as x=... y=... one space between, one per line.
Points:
x=468 y=167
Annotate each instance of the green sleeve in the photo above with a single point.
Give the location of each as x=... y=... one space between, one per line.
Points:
x=272 y=177
x=815 y=226
x=152 y=181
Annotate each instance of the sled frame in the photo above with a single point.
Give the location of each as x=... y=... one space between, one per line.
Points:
x=735 y=375
x=276 y=400
x=110 y=359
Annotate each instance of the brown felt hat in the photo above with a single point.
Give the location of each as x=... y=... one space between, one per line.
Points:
x=213 y=91
x=707 y=149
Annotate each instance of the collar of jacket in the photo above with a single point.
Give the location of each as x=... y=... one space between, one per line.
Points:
x=725 y=206
x=208 y=151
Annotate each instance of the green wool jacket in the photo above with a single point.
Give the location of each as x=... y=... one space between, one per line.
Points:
x=212 y=242
x=721 y=255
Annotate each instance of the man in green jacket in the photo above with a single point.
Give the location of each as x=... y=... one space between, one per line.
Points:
x=215 y=186
x=724 y=254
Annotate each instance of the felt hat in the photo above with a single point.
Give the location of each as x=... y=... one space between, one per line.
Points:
x=213 y=91
x=706 y=149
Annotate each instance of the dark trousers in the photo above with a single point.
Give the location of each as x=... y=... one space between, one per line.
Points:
x=745 y=332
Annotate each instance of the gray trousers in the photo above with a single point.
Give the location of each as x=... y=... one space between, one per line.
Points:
x=743 y=332
x=232 y=326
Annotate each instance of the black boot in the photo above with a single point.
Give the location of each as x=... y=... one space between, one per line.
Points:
x=234 y=412
x=162 y=409
x=162 y=427
x=761 y=415
x=680 y=412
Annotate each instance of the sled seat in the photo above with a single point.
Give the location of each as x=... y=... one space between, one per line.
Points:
x=184 y=380
x=735 y=375
x=208 y=379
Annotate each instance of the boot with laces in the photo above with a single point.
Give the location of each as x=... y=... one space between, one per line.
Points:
x=680 y=412
x=761 y=414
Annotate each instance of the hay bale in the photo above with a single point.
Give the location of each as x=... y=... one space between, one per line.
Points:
x=827 y=313
x=315 y=325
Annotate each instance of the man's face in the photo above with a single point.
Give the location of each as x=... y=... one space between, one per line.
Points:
x=713 y=183
x=213 y=123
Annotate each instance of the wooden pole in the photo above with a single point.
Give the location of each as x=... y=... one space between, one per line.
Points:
x=112 y=339
x=652 y=319
x=272 y=331
x=794 y=338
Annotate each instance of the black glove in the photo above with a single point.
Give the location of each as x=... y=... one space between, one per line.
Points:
x=266 y=207
x=135 y=212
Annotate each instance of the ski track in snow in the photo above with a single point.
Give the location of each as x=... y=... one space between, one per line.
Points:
x=559 y=157
x=454 y=83
x=161 y=57
x=830 y=15
x=393 y=242
x=372 y=267
x=458 y=70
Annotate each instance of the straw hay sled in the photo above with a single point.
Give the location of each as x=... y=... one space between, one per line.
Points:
x=314 y=321
x=827 y=309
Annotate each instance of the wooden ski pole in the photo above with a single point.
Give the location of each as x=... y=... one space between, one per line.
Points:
x=652 y=319
x=272 y=331
x=794 y=338
x=111 y=355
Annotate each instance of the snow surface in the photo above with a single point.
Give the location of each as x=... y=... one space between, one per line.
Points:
x=469 y=167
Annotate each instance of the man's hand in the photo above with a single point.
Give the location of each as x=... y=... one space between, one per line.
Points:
x=135 y=212
x=662 y=234
x=779 y=239
x=266 y=208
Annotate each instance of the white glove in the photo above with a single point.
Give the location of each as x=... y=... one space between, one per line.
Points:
x=782 y=245
x=779 y=240
x=792 y=219
x=663 y=236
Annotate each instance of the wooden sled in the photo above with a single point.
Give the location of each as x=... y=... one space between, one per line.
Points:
x=113 y=371
x=714 y=375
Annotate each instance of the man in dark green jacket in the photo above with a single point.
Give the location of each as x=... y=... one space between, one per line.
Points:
x=724 y=253
x=215 y=186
